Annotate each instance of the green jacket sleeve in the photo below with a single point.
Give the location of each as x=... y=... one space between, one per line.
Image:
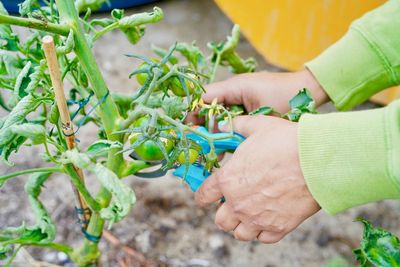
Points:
x=353 y=158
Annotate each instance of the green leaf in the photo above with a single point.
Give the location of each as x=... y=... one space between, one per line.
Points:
x=35 y=132
x=9 y=141
x=36 y=76
x=68 y=45
x=43 y=219
x=8 y=40
x=262 y=111
x=44 y=230
x=84 y=5
x=225 y=51
x=123 y=197
x=378 y=247
x=15 y=117
x=192 y=53
x=303 y=101
x=300 y=104
x=117 y=13
x=12 y=146
x=25 y=8
x=101 y=147
x=132 y=26
x=19 y=91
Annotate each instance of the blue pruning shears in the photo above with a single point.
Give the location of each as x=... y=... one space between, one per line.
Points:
x=196 y=174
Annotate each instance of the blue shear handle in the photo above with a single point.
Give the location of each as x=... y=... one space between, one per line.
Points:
x=221 y=145
x=195 y=176
x=196 y=173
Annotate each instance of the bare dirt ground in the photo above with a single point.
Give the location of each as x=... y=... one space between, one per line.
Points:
x=165 y=225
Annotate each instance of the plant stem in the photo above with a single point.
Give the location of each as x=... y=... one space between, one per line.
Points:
x=35 y=24
x=107 y=110
x=214 y=70
x=6 y=177
x=76 y=180
x=110 y=117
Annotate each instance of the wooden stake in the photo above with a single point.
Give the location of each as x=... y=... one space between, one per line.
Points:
x=66 y=123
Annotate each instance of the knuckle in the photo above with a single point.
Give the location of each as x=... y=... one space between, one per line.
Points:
x=238 y=207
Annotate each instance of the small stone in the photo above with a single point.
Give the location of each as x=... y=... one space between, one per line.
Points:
x=62 y=257
x=215 y=242
x=143 y=241
x=50 y=257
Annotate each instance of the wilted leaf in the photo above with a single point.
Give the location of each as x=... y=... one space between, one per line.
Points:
x=83 y=5
x=132 y=26
x=8 y=40
x=25 y=8
x=35 y=132
x=123 y=196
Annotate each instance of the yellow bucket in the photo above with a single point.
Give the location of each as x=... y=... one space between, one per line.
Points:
x=289 y=33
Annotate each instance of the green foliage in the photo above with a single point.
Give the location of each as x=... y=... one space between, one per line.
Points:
x=262 y=111
x=378 y=247
x=123 y=197
x=300 y=104
x=42 y=233
x=84 y=5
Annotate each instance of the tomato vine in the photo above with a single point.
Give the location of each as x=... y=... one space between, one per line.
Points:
x=171 y=86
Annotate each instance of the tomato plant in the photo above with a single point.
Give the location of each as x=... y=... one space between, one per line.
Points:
x=152 y=118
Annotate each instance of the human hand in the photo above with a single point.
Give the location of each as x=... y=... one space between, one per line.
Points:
x=265 y=193
x=255 y=90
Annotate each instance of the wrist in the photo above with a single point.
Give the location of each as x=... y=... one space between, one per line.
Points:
x=308 y=80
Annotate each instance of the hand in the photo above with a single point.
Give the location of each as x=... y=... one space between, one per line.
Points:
x=266 y=196
x=254 y=90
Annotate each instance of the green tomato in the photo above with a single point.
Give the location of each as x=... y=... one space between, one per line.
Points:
x=149 y=150
x=142 y=77
x=193 y=154
x=177 y=88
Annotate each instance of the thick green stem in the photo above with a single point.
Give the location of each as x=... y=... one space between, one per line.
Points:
x=35 y=24
x=110 y=117
x=107 y=110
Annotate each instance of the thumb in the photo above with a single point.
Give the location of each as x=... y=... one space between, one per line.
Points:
x=243 y=125
x=228 y=92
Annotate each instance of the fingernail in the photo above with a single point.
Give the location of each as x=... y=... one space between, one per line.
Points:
x=221 y=125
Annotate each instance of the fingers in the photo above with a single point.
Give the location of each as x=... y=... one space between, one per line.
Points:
x=209 y=192
x=244 y=125
x=228 y=92
x=270 y=237
x=245 y=233
x=225 y=218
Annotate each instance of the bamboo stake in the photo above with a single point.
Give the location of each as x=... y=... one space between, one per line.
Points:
x=66 y=123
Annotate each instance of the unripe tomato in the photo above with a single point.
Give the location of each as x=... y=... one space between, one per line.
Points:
x=142 y=77
x=149 y=150
x=193 y=154
x=177 y=88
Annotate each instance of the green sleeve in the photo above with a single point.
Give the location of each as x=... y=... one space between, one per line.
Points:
x=352 y=158
x=365 y=61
